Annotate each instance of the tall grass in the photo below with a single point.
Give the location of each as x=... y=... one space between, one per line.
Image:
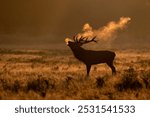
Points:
x=55 y=75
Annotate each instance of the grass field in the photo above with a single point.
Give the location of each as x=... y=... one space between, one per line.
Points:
x=56 y=74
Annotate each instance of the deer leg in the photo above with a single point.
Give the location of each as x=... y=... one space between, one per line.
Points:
x=88 y=67
x=112 y=68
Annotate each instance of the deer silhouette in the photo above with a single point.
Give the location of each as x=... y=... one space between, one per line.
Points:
x=90 y=57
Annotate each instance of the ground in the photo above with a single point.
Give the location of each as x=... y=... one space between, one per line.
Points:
x=56 y=74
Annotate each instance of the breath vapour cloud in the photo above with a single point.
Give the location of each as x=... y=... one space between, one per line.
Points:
x=108 y=32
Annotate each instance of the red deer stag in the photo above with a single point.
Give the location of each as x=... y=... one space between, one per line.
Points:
x=90 y=57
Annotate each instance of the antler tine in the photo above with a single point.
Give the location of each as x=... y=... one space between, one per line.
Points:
x=75 y=38
x=93 y=39
x=85 y=40
x=81 y=38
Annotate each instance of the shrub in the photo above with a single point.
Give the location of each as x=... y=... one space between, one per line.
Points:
x=40 y=86
x=146 y=79
x=100 y=82
x=129 y=81
x=7 y=86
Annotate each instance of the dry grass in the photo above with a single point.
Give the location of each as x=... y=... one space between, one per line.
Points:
x=43 y=74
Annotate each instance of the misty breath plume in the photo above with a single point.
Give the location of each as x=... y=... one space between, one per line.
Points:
x=108 y=32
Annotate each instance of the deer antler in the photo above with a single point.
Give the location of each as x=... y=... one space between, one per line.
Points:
x=75 y=38
x=83 y=40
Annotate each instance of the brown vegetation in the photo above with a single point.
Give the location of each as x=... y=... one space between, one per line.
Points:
x=34 y=74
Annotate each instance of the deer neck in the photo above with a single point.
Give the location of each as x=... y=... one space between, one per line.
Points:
x=77 y=51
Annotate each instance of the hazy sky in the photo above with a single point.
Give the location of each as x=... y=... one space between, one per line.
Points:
x=49 y=21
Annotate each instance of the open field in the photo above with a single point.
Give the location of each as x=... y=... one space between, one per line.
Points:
x=49 y=74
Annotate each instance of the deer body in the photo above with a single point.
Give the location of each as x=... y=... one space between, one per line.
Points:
x=90 y=57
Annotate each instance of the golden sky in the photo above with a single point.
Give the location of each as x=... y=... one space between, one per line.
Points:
x=57 y=19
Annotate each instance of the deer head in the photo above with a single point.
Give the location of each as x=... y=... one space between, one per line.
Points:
x=79 y=41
